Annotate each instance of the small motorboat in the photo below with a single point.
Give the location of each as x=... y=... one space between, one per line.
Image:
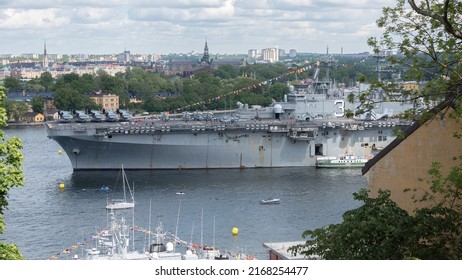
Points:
x=270 y=201
x=180 y=193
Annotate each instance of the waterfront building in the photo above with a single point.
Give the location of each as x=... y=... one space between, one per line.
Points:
x=33 y=117
x=106 y=101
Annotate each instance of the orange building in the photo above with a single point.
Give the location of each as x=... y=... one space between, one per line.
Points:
x=33 y=117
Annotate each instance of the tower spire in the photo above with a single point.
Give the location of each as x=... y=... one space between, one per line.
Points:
x=206 y=57
x=45 y=56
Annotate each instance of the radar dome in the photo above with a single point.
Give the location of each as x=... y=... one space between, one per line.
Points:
x=278 y=109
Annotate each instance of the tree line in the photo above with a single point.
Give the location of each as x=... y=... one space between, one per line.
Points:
x=160 y=93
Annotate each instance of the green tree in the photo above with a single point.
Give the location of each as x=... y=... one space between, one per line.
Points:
x=34 y=85
x=12 y=83
x=278 y=90
x=70 y=99
x=15 y=110
x=379 y=229
x=110 y=84
x=86 y=84
x=10 y=176
x=226 y=71
x=375 y=230
x=438 y=229
x=263 y=72
x=46 y=80
x=38 y=103
x=428 y=36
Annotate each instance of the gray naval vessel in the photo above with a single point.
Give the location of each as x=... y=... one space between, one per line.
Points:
x=307 y=125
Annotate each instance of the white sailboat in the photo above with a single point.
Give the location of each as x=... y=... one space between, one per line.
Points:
x=115 y=204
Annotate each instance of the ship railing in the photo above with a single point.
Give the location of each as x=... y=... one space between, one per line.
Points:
x=273 y=126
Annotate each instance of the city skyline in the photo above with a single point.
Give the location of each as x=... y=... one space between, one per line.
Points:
x=182 y=26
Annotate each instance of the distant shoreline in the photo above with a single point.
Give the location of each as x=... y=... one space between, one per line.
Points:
x=23 y=124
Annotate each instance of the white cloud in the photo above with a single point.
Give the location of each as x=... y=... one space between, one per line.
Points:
x=182 y=25
x=19 y=19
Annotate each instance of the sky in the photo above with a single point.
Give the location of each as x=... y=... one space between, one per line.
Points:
x=183 y=26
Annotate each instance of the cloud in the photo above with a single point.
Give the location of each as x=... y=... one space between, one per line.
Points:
x=37 y=19
x=180 y=16
x=156 y=26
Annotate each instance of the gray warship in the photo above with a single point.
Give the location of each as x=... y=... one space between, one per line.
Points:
x=308 y=125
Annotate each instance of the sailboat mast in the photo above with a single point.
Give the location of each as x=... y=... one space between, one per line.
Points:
x=213 y=237
x=133 y=228
x=177 y=222
x=124 y=179
x=202 y=228
x=149 y=227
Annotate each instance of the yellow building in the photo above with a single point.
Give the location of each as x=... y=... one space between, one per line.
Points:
x=411 y=86
x=106 y=101
x=33 y=117
x=403 y=163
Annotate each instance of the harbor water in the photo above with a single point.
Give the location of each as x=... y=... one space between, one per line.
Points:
x=44 y=220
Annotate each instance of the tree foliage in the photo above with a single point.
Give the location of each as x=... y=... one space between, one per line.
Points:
x=46 y=80
x=226 y=71
x=38 y=103
x=15 y=109
x=70 y=99
x=197 y=92
x=12 y=83
x=10 y=176
x=375 y=230
x=427 y=35
x=380 y=230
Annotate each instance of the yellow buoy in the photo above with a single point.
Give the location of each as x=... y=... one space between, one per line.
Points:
x=61 y=186
x=60 y=152
x=235 y=231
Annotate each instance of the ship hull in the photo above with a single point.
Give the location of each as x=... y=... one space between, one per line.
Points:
x=87 y=153
x=92 y=148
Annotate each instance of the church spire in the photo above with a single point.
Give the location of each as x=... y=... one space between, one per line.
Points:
x=206 y=57
x=45 y=56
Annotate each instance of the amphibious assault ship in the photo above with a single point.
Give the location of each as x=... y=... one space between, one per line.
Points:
x=308 y=124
